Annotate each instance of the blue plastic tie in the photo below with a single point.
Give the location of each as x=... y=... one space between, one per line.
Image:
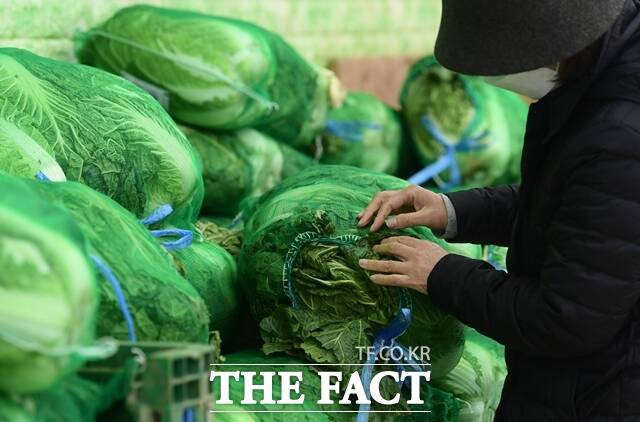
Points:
x=188 y=415
x=41 y=176
x=159 y=214
x=117 y=290
x=387 y=335
x=236 y=220
x=185 y=238
x=349 y=131
x=448 y=159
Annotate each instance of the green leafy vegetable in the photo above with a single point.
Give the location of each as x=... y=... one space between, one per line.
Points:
x=477 y=380
x=78 y=123
x=339 y=308
x=465 y=107
x=241 y=164
x=215 y=72
x=213 y=272
x=48 y=291
x=164 y=306
x=229 y=238
x=362 y=132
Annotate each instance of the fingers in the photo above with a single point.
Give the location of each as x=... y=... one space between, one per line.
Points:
x=383 y=266
x=399 y=280
x=396 y=249
x=382 y=205
x=402 y=221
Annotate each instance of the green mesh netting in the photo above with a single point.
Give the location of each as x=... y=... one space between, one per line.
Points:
x=443 y=406
x=496 y=256
x=213 y=272
x=164 y=306
x=362 y=132
x=241 y=164
x=214 y=72
x=77 y=123
x=48 y=290
x=478 y=379
x=339 y=308
x=485 y=124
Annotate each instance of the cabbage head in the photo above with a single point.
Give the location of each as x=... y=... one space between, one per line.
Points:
x=484 y=123
x=48 y=290
x=362 y=132
x=328 y=305
x=241 y=164
x=478 y=379
x=212 y=271
x=215 y=72
x=74 y=122
x=163 y=305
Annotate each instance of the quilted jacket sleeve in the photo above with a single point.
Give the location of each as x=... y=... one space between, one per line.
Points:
x=590 y=280
x=485 y=215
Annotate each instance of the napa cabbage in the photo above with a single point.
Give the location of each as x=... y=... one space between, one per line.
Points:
x=74 y=122
x=48 y=290
x=214 y=72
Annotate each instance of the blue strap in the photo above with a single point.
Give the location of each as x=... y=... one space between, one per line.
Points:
x=387 y=335
x=448 y=158
x=185 y=238
x=236 y=220
x=188 y=415
x=117 y=290
x=41 y=176
x=349 y=131
x=159 y=214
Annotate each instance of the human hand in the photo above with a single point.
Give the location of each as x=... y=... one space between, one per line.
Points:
x=416 y=260
x=412 y=206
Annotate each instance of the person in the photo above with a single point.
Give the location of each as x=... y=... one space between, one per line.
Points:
x=568 y=308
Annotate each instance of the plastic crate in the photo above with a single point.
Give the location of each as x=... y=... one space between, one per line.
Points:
x=170 y=384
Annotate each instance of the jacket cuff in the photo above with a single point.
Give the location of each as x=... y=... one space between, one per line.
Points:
x=446 y=277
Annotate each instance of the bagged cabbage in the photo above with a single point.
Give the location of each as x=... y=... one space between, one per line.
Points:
x=215 y=72
x=467 y=132
x=48 y=291
x=73 y=122
x=443 y=406
x=213 y=272
x=299 y=264
x=163 y=306
x=241 y=164
x=478 y=379
x=226 y=234
x=362 y=132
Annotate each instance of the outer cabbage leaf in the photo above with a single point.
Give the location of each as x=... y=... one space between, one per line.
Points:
x=216 y=72
x=339 y=307
x=100 y=130
x=48 y=290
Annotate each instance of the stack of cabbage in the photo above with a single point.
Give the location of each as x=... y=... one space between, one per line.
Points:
x=362 y=132
x=73 y=122
x=299 y=262
x=481 y=126
x=215 y=72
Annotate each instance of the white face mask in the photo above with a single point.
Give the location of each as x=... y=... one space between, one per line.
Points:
x=534 y=83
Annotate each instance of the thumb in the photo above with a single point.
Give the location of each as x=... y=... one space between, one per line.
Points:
x=402 y=221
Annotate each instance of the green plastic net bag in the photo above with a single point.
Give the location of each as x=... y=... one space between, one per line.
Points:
x=478 y=379
x=215 y=72
x=496 y=256
x=74 y=122
x=442 y=405
x=362 y=132
x=163 y=306
x=213 y=272
x=48 y=291
x=299 y=263
x=467 y=132
x=224 y=232
x=240 y=164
